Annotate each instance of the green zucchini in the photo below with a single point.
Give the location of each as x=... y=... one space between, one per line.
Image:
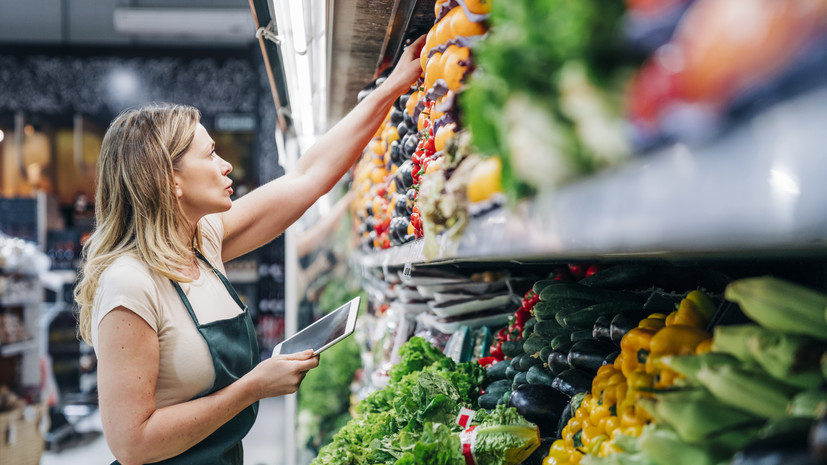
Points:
x=549 y=329
x=512 y=348
x=539 y=375
x=623 y=276
x=497 y=370
x=592 y=294
x=548 y=309
x=534 y=344
x=506 y=397
x=510 y=371
x=586 y=317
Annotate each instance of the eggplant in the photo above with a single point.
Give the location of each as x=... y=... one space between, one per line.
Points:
x=573 y=381
x=818 y=440
x=784 y=448
x=397 y=154
x=610 y=359
x=602 y=328
x=409 y=144
x=396 y=115
x=588 y=355
x=622 y=323
x=541 y=405
x=402 y=130
x=565 y=416
x=558 y=360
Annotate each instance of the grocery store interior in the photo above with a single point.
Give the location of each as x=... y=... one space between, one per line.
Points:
x=591 y=232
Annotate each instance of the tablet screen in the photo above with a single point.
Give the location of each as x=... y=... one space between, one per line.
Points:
x=328 y=329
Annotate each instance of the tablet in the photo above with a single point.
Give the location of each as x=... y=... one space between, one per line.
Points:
x=324 y=332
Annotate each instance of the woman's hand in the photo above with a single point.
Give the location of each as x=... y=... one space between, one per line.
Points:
x=407 y=70
x=281 y=374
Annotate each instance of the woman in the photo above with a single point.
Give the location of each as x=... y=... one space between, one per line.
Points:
x=178 y=372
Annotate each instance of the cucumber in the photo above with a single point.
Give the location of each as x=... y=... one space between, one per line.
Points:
x=548 y=309
x=498 y=388
x=510 y=371
x=588 y=355
x=529 y=361
x=586 y=317
x=592 y=294
x=519 y=380
x=489 y=401
x=549 y=329
x=557 y=340
x=497 y=370
x=528 y=327
x=516 y=361
x=623 y=276
x=534 y=344
x=512 y=348
x=573 y=381
x=539 y=375
x=542 y=284
x=506 y=397
x=545 y=352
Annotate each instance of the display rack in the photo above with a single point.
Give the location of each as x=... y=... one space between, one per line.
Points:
x=758 y=189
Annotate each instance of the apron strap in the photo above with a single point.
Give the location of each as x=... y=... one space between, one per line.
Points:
x=224 y=281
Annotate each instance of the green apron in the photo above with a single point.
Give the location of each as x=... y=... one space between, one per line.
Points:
x=234 y=351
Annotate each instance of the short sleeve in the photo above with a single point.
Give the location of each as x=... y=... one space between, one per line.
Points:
x=126 y=283
x=212 y=239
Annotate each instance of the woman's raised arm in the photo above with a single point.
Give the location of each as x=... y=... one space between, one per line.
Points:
x=263 y=214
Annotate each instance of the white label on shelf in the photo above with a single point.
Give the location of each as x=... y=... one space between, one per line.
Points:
x=406 y=272
x=385 y=271
x=11 y=438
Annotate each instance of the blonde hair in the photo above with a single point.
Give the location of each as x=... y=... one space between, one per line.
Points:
x=136 y=207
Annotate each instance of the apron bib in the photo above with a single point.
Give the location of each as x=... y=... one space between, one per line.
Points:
x=234 y=350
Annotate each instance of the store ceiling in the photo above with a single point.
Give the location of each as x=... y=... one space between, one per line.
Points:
x=92 y=23
x=358 y=39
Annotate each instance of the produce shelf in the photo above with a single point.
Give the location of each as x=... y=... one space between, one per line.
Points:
x=757 y=189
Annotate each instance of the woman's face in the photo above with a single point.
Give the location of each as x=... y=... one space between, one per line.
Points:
x=201 y=179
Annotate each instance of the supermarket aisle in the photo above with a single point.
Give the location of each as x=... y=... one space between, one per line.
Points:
x=263 y=446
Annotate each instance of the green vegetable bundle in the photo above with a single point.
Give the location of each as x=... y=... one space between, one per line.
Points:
x=412 y=420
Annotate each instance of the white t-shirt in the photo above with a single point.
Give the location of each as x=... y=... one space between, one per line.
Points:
x=185 y=367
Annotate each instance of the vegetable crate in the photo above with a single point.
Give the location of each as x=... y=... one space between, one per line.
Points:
x=21 y=438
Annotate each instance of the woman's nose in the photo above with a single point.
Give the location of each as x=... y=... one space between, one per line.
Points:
x=226 y=167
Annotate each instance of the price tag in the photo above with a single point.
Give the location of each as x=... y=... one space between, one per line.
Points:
x=406 y=272
x=465 y=416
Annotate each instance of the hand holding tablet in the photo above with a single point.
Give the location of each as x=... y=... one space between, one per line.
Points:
x=323 y=333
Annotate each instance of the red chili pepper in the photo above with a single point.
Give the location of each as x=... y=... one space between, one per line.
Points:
x=578 y=270
x=485 y=362
x=594 y=269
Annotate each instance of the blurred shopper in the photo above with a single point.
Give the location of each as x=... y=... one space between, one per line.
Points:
x=179 y=376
